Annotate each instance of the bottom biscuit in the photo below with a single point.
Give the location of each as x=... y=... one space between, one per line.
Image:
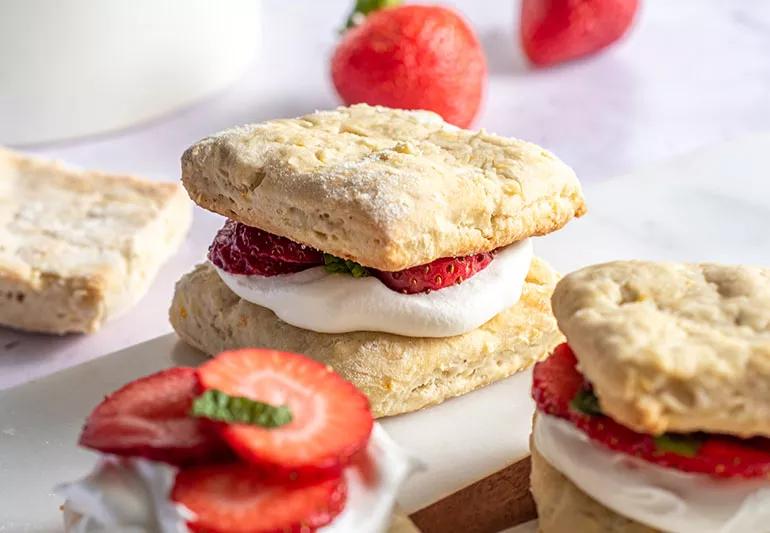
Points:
x=563 y=508
x=399 y=374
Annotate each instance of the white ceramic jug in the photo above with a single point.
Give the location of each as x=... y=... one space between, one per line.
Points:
x=70 y=68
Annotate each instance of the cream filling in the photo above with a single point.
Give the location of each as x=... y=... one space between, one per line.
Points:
x=659 y=497
x=131 y=495
x=338 y=303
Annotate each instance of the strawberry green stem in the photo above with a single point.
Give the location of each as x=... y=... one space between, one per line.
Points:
x=364 y=7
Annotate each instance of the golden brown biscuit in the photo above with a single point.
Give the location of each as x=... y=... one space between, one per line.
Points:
x=563 y=508
x=387 y=188
x=399 y=374
x=77 y=247
x=673 y=347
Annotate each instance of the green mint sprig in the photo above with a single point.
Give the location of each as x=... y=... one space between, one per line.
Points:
x=217 y=405
x=680 y=444
x=586 y=402
x=336 y=265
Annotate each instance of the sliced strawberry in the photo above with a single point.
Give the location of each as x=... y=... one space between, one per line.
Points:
x=235 y=498
x=242 y=249
x=331 y=419
x=436 y=275
x=149 y=418
x=557 y=381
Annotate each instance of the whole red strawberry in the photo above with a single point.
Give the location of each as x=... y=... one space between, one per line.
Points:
x=413 y=57
x=553 y=31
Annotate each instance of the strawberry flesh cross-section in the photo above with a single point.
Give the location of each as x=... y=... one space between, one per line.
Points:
x=244 y=250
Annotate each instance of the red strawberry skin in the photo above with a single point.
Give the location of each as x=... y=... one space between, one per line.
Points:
x=242 y=249
x=149 y=418
x=557 y=380
x=331 y=419
x=413 y=57
x=554 y=31
x=235 y=498
x=436 y=275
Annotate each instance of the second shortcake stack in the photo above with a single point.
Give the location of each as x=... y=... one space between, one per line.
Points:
x=386 y=243
x=656 y=416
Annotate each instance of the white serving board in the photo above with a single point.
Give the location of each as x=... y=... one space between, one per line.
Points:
x=714 y=204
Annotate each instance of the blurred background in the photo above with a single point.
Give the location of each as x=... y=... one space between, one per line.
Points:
x=158 y=75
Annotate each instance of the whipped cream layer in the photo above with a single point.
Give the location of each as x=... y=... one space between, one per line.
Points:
x=662 y=498
x=131 y=495
x=338 y=303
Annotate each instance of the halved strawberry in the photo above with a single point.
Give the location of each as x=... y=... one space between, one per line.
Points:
x=436 y=275
x=149 y=418
x=242 y=249
x=235 y=498
x=331 y=419
x=557 y=381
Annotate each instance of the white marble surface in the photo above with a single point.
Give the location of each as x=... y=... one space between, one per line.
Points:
x=690 y=74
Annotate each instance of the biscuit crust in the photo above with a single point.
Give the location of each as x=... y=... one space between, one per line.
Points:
x=387 y=188
x=77 y=247
x=563 y=508
x=399 y=374
x=673 y=347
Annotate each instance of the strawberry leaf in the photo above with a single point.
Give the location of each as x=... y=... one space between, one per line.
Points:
x=364 y=7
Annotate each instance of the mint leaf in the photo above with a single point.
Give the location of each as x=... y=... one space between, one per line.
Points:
x=337 y=265
x=685 y=445
x=217 y=405
x=586 y=402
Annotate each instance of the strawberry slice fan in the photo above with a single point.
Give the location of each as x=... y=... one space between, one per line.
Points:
x=261 y=437
x=241 y=249
x=560 y=390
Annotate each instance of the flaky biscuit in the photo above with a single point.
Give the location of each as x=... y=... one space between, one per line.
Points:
x=563 y=508
x=673 y=347
x=399 y=374
x=77 y=247
x=387 y=188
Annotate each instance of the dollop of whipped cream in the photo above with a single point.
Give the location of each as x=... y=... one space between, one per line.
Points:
x=662 y=498
x=132 y=495
x=124 y=495
x=338 y=303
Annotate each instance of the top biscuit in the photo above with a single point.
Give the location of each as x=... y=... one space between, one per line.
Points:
x=673 y=347
x=387 y=188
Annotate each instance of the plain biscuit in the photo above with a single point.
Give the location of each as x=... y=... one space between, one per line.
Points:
x=387 y=188
x=673 y=347
x=399 y=374
x=77 y=247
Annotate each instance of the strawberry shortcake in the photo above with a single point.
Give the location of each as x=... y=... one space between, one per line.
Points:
x=385 y=243
x=654 y=416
